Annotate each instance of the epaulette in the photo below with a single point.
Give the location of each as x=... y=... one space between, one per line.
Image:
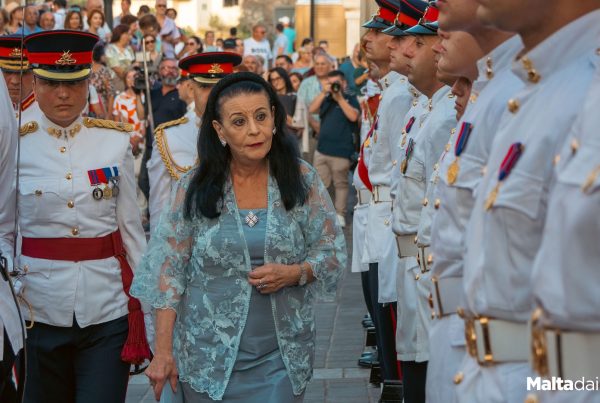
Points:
x=171 y=123
x=162 y=145
x=28 y=128
x=107 y=124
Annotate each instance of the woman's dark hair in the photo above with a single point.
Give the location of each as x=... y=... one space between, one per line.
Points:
x=128 y=19
x=306 y=41
x=284 y=76
x=297 y=75
x=118 y=32
x=68 y=19
x=198 y=42
x=206 y=191
x=98 y=52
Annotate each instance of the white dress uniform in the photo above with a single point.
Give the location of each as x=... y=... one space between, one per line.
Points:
x=56 y=201
x=361 y=210
x=565 y=275
x=29 y=109
x=174 y=153
x=9 y=316
x=503 y=239
x=379 y=240
x=416 y=168
x=453 y=204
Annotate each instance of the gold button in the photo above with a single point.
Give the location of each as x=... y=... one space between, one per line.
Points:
x=574 y=146
x=436 y=166
x=387 y=222
x=416 y=240
x=430 y=302
x=556 y=159
x=69 y=176
x=38 y=192
x=417 y=277
x=26 y=268
x=430 y=259
x=448 y=147
x=394 y=162
x=63 y=149
x=458 y=378
x=453 y=131
x=75 y=231
x=513 y=105
x=437 y=203
x=460 y=312
x=71 y=204
x=531 y=398
x=425 y=202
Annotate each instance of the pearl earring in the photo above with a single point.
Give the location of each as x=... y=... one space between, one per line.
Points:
x=274 y=131
x=223 y=142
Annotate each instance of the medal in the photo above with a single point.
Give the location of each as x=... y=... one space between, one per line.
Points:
x=409 y=150
x=406 y=130
x=461 y=143
x=510 y=160
x=115 y=188
x=107 y=193
x=97 y=193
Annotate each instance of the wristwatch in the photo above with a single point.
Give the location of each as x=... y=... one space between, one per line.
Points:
x=303 y=274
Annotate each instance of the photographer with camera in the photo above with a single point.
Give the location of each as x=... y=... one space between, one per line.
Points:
x=129 y=107
x=339 y=113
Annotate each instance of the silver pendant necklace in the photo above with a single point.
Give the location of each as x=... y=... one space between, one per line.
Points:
x=251 y=219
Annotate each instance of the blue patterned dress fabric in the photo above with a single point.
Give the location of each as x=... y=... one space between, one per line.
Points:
x=199 y=268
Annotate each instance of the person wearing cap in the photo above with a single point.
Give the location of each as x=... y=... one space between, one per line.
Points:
x=455 y=197
x=378 y=241
x=17 y=75
x=174 y=148
x=565 y=272
x=422 y=143
x=510 y=214
x=81 y=234
x=247 y=243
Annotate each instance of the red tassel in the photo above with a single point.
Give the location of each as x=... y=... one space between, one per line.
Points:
x=136 y=348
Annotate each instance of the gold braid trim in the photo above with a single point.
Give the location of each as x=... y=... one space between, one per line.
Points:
x=28 y=128
x=107 y=124
x=173 y=168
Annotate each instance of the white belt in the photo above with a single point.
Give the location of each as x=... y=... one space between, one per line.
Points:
x=494 y=341
x=425 y=259
x=447 y=293
x=407 y=245
x=568 y=355
x=381 y=194
x=364 y=196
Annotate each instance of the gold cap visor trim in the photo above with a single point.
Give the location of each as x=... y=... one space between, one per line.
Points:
x=204 y=80
x=14 y=66
x=60 y=76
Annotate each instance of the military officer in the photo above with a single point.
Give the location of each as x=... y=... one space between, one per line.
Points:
x=11 y=341
x=175 y=150
x=81 y=234
x=509 y=215
x=378 y=238
x=18 y=76
x=566 y=326
x=421 y=149
x=469 y=152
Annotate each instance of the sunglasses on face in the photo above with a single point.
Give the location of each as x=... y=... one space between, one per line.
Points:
x=151 y=41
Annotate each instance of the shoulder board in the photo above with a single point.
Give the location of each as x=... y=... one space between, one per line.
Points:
x=171 y=123
x=28 y=128
x=107 y=124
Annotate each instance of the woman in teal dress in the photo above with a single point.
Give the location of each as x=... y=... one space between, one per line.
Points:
x=248 y=242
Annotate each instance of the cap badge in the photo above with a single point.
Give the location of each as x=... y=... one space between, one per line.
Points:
x=16 y=52
x=66 y=59
x=215 y=69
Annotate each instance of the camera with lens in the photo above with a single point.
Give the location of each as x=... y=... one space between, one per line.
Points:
x=336 y=87
x=139 y=81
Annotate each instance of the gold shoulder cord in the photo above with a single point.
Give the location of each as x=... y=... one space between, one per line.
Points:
x=162 y=145
x=28 y=128
x=107 y=124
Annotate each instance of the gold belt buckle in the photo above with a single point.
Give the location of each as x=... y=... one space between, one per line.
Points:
x=471 y=337
x=375 y=194
x=539 y=346
x=488 y=357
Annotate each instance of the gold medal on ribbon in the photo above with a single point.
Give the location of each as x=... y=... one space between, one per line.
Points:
x=491 y=199
x=453 y=170
x=107 y=193
x=403 y=166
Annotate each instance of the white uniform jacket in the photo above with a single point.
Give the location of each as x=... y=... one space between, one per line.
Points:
x=56 y=201
x=174 y=152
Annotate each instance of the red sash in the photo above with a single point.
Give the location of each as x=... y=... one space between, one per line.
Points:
x=136 y=348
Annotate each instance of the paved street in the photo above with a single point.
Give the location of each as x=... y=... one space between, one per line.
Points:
x=340 y=340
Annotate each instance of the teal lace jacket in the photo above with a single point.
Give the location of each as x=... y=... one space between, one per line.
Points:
x=199 y=268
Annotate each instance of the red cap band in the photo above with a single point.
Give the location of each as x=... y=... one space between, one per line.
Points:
x=13 y=53
x=407 y=19
x=61 y=59
x=431 y=14
x=387 y=15
x=212 y=68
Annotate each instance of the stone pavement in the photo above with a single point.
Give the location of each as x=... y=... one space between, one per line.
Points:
x=340 y=341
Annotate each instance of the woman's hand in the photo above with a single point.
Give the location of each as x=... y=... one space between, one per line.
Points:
x=162 y=369
x=272 y=277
